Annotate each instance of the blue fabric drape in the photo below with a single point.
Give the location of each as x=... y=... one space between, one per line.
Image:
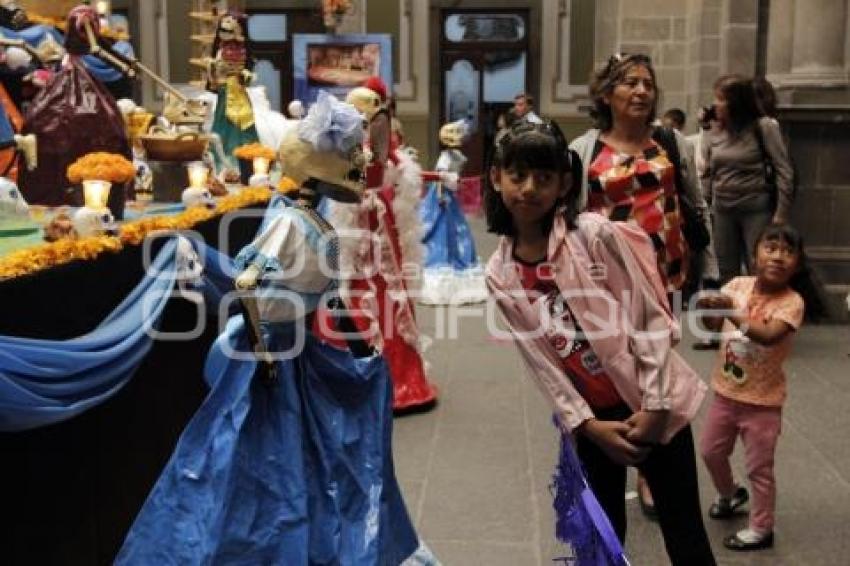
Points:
x=104 y=72
x=34 y=35
x=7 y=132
x=44 y=382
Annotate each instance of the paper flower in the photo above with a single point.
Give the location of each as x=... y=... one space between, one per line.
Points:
x=251 y=150
x=331 y=125
x=103 y=166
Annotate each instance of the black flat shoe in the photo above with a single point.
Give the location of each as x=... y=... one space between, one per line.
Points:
x=712 y=344
x=725 y=508
x=734 y=542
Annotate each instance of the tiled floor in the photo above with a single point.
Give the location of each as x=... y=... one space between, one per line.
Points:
x=476 y=469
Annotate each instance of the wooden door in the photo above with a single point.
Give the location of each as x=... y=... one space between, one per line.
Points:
x=483 y=65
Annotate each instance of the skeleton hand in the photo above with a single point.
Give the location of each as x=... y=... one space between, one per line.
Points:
x=449 y=180
x=248 y=279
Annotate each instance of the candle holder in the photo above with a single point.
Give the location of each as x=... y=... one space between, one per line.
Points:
x=95 y=218
x=198 y=193
x=260 y=178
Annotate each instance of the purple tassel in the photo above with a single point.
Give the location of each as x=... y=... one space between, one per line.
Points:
x=580 y=521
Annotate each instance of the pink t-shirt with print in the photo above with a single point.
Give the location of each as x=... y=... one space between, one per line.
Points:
x=746 y=371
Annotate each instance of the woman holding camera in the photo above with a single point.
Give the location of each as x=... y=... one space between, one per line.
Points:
x=736 y=182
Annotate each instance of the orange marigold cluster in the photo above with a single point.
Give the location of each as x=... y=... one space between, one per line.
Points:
x=45 y=256
x=251 y=150
x=101 y=165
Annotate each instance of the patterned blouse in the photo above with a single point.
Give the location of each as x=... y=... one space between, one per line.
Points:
x=642 y=190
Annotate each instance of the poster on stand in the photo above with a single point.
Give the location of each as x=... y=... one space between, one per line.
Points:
x=338 y=63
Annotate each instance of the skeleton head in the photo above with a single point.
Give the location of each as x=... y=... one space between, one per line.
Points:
x=188 y=265
x=295 y=109
x=453 y=134
x=94 y=222
x=367 y=101
x=343 y=176
x=198 y=197
x=11 y=201
x=229 y=28
x=192 y=111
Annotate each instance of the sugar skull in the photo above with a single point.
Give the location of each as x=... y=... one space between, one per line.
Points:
x=12 y=203
x=194 y=196
x=94 y=222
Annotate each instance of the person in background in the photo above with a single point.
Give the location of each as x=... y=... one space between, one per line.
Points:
x=524 y=108
x=674 y=119
x=734 y=178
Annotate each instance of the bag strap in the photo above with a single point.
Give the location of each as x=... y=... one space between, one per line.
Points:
x=767 y=160
x=666 y=138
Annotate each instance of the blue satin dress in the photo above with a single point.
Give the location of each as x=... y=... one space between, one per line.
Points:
x=452 y=271
x=299 y=472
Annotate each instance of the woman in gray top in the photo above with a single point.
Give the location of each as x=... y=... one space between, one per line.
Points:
x=734 y=179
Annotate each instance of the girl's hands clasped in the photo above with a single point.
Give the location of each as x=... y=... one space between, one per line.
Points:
x=612 y=438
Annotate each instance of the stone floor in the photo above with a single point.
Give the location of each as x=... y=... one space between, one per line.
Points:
x=476 y=469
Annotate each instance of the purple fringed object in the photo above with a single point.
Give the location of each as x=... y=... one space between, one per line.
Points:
x=580 y=521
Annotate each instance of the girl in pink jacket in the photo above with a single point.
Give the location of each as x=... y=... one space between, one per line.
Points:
x=589 y=314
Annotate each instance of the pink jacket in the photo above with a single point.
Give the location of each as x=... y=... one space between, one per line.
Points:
x=607 y=273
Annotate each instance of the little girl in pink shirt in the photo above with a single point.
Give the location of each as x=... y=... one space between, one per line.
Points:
x=760 y=316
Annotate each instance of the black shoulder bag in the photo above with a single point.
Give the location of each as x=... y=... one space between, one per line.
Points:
x=695 y=232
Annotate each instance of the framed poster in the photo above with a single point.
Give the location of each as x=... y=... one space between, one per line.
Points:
x=338 y=63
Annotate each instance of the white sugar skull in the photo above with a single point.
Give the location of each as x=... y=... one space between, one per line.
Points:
x=12 y=203
x=144 y=176
x=198 y=197
x=188 y=265
x=94 y=222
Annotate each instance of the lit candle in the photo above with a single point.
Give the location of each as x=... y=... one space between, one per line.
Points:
x=261 y=166
x=198 y=173
x=96 y=193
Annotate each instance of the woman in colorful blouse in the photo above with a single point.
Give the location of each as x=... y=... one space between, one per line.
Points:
x=631 y=177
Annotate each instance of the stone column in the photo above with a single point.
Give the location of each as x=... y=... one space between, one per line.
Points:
x=780 y=37
x=818 y=43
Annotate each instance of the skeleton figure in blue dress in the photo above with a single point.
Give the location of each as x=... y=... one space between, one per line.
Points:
x=452 y=274
x=288 y=460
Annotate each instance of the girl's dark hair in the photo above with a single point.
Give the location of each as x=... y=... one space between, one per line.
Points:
x=523 y=146
x=804 y=281
x=741 y=102
x=603 y=82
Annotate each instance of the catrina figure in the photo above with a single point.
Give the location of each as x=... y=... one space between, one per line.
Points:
x=452 y=274
x=289 y=458
x=230 y=71
x=71 y=116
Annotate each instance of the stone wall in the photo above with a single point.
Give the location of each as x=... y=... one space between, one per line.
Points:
x=659 y=28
